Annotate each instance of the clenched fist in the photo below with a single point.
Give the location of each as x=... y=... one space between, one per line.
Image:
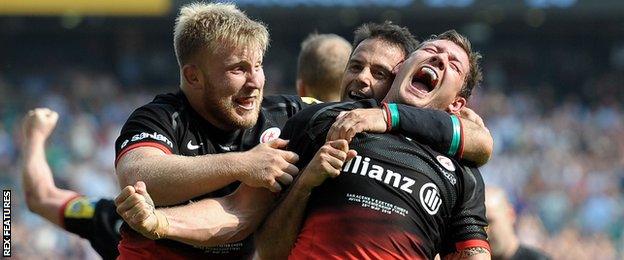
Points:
x=327 y=163
x=268 y=165
x=39 y=123
x=136 y=207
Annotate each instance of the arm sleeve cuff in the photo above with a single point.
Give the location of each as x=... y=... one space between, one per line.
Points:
x=162 y=147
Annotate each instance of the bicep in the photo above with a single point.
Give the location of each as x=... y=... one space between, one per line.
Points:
x=131 y=161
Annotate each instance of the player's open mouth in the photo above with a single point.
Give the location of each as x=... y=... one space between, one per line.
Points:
x=247 y=103
x=356 y=95
x=425 y=79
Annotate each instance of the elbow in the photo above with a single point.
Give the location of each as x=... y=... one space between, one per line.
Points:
x=127 y=172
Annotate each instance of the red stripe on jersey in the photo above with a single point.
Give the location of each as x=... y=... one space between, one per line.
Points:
x=63 y=207
x=355 y=233
x=160 y=146
x=459 y=246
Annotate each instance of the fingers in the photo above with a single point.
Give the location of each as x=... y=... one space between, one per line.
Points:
x=289 y=156
x=125 y=193
x=278 y=143
x=141 y=188
x=291 y=170
x=340 y=144
x=285 y=179
x=275 y=186
x=351 y=154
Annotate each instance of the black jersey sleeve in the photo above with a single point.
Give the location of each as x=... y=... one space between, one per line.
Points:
x=283 y=107
x=307 y=130
x=95 y=220
x=431 y=127
x=467 y=226
x=150 y=125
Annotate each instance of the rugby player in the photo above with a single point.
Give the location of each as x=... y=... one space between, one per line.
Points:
x=195 y=144
x=501 y=218
x=321 y=63
x=93 y=219
x=398 y=199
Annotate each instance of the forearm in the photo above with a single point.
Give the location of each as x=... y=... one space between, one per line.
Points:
x=434 y=128
x=478 y=143
x=278 y=234
x=212 y=222
x=173 y=179
x=42 y=196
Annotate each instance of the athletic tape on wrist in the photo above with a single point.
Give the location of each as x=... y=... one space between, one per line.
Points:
x=162 y=225
x=394 y=112
x=455 y=142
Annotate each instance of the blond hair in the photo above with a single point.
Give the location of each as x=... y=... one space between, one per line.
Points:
x=212 y=27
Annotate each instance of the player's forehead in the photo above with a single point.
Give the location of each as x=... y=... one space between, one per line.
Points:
x=449 y=47
x=379 y=52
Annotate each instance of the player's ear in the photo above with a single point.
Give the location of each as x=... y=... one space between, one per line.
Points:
x=396 y=68
x=193 y=76
x=457 y=105
x=301 y=91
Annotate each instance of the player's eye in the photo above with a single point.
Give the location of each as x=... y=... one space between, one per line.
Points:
x=355 y=68
x=380 y=75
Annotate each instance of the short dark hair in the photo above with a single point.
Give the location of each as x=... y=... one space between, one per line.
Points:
x=475 y=75
x=322 y=62
x=389 y=32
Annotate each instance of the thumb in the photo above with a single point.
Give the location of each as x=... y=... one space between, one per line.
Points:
x=278 y=143
x=351 y=154
x=141 y=188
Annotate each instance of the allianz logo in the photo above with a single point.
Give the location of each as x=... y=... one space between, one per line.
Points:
x=362 y=166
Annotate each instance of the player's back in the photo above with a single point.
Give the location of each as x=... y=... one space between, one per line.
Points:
x=396 y=200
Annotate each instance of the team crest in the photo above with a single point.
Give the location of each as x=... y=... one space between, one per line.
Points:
x=270 y=134
x=446 y=163
x=80 y=207
x=430 y=198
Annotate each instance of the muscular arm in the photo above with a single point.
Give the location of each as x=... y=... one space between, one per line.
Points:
x=207 y=222
x=42 y=196
x=174 y=179
x=212 y=222
x=428 y=126
x=278 y=234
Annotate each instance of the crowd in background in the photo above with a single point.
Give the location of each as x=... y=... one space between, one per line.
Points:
x=559 y=152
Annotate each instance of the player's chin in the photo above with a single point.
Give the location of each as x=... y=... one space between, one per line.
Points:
x=246 y=118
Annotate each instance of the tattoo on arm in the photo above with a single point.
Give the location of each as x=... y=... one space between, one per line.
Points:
x=468 y=252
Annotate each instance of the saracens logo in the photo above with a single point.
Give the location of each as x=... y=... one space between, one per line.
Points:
x=430 y=198
x=270 y=134
x=446 y=163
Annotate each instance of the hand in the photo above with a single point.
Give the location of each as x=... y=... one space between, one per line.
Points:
x=39 y=123
x=136 y=207
x=327 y=163
x=268 y=166
x=349 y=123
x=470 y=115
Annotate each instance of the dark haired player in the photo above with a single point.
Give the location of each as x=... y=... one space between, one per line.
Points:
x=397 y=199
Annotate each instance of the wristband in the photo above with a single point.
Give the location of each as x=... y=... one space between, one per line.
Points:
x=455 y=142
x=394 y=112
x=384 y=106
